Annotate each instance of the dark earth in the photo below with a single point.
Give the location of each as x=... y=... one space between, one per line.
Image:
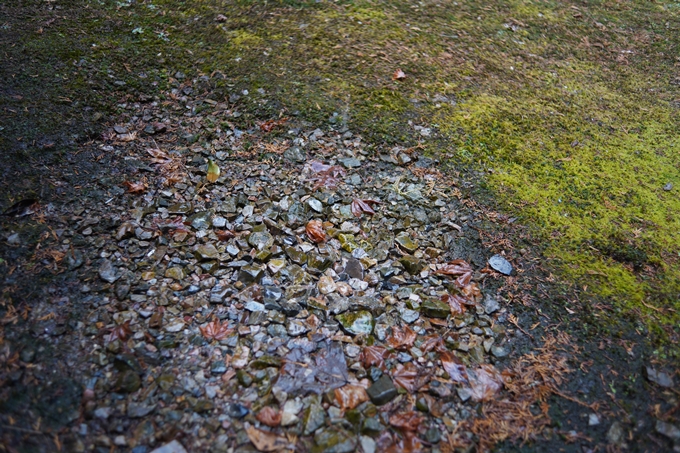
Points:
x=147 y=306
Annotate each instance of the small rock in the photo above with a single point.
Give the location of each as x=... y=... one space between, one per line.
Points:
x=500 y=264
x=295 y=154
x=107 y=272
x=206 y=252
x=491 y=305
x=174 y=326
x=172 y=447
x=367 y=444
x=176 y=273
x=616 y=434
x=137 y=410
x=668 y=187
x=313 y=419
x=593 y=420
x=236 y=410
x=356 y=323
x=405 y=241
x=435 y=308
x=668 y=430
x=290 y=410
x=382 y=391
x=658 y=377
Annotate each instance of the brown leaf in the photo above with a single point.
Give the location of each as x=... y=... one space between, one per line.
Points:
x=269 y=416
x=224 y=235
x=456 y=303
x=121 y=332
x=407 y=421
x=433 y=342
x=315 y=231
x=216 y=331
x=326 y=175
x=398 y=75
x=265 y=440
x=350 y=396
x=485 y=382
x=135 y=187
x=402 y=337
x=409 y=377
x=156 y=320
x=471 y=292
x=360 y=206
x=268 y=125
x=454 y=366
x=373 y=356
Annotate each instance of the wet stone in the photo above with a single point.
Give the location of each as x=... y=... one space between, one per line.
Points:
x=200 y=220
x=138 y=410
x=250 y=274
x=354 y=269
x=206 y=252
x=295 y=154
x=218 y=367
x=261 y=240
x=356 y=323
x=128 y=382
x=350 y=162
x=315 y=204
x=180 y=208
x=236 y=410
x=296 y=327
x=382 y=391
x=412 y=264
x=314 y=418
x=335 y=441
x=108 y=272
x=491 y=305
x=405 y=241
x=435 y=308
x=176 y=273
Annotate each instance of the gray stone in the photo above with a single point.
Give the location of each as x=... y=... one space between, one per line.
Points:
x=138 y=410
x=200 y=220
x=491 y=305
x=260 y=240
x=295 y=154
x=206 y=252
x=616 y=434
x=350 y=162
x=172 y=447
x=315 y=205
x=382 y=391
x=406 y=242
x=668 y=430
x=658 y=377
x=107 y=272
x=356 y=323
x=500 y=264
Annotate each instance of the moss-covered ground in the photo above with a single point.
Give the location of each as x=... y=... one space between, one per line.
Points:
x=570 y=108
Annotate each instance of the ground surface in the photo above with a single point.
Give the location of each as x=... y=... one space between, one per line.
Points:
x=143 y=303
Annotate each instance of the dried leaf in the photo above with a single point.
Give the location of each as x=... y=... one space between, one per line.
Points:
x=135 y=187
x=360 y=206
x=409 y=377
x=213 y=171
x=485 y=382
x=471 y=292
x=269 y=125
x=326 y=175
x=315 y=231
x=454 y=366
x=402 y=337
x=456 y=303
x=265 y=440
x=121 y=332
x=350 y=396
x=433 y=342
x=407 y=421
x=373 y=356
x=224 y=235
x=398 y=75
x=269 y=416
x=216 y=330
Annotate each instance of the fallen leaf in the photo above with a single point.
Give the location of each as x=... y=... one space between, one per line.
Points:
x=456 y=303
x=121 y=332
x=433 y=342
x=326 y=175
x=373 y=356
x=213 y=171
x=269 y=416
x=407 y=421
x=409 y=377
x=360 y=206
x=216 y=330
x=398 y=75
x=350 y=396
x=268 y=125
x=135 y=187
x=315 y=231
x=471 y=292
x=454 y=366
x=485 y=382
x=265 y=440
x=402 y=337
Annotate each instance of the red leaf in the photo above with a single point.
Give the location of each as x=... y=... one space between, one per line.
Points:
x=315 y=231
x=121 y=332
x=269 y=125
x=216 y=331
x=350 y=396
x=360 y=206
x=485 y=382
x=456 y=303
x=454 y=366
x=398 y=75
x=402 y=337
x=269 y=416
x=373 y=356
x=409 y=377
x=135 y=187
x=407 y=421
x=433 y=342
